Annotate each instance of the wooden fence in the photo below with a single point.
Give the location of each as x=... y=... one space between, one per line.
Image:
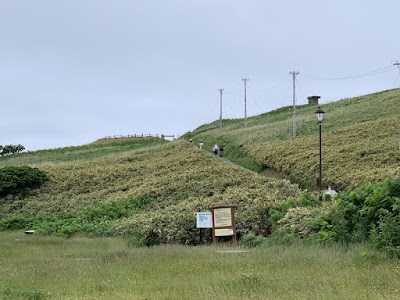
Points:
x=143 y=135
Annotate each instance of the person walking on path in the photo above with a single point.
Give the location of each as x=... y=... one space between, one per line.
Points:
x=221 y=150
x=215 y=149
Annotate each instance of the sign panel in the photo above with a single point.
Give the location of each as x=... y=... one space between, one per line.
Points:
x=224 y=232
x=204 y=220
x=222 y=217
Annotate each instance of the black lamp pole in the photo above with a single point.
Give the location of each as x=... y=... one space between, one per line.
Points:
x=320 y=161
x=320 y=116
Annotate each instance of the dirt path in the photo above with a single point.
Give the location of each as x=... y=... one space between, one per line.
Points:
x=270 y=173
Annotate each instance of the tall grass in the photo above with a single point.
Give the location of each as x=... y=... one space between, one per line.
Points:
x=55 y=268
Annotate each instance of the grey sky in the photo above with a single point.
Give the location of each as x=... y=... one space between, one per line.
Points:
x=75 y=71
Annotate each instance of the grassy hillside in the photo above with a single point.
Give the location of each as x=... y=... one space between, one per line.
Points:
x=93 y=151
x=139 y=188
x=360 y=140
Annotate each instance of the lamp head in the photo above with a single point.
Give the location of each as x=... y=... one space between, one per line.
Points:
x=319 y=113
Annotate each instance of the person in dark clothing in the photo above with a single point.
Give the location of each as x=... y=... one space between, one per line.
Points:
x=221 y=150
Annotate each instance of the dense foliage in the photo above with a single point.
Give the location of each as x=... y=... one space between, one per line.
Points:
x=92 y=220
x=19 y=180
x=11 y=149
x=370 y=213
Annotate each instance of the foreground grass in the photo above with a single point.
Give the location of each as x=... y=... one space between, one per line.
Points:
x=36 y=267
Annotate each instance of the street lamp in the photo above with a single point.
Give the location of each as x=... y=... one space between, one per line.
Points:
x=319 y=113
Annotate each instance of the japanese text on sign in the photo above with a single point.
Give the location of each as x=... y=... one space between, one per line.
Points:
x=222 y=217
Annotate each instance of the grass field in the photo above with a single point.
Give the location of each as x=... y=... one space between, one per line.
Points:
x=35 y=267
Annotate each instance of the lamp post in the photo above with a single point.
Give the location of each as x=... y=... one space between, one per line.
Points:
x=319 y=113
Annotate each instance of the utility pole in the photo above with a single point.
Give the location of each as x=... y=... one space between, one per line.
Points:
x=245 y=102
x=220 y=107
x=294 y=73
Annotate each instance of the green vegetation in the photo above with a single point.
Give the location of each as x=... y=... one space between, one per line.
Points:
x=177 y=177
x=93 y=220
x=20 y=180
x=11 y=149
x=368 y=213
x=360 y=141
x=35 y=267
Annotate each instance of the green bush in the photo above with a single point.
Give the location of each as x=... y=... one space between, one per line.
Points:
x=19 y=180
x=304 y=182
x=93 y=220
x=368 y=213
x=251 y=240
x=305 y=199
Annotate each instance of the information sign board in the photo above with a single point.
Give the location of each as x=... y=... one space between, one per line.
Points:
x=222 y=217
x=204 y=220
x=224 y=232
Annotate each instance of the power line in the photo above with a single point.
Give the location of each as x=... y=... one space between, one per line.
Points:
x=375 y=72
x=274 y=87
x=300 y=91
x=286 y=97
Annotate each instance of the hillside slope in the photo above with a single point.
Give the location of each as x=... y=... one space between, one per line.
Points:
x=175 y=179
x=360 y=140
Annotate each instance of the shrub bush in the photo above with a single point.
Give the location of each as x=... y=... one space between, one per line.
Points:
x=19 y=180
x=95 y=220
x=368 y=213
x=305 y=199
x=305 y=182
x=251 y=240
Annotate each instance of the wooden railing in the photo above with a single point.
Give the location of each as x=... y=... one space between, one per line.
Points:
x=143 y=135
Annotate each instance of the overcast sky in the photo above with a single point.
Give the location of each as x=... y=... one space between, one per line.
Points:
x=75 y=71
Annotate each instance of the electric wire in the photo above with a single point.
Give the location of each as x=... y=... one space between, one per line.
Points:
x=375 y=72
x=233 y=96
x=274 y=87
x=286 y=96
x=300 y=91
